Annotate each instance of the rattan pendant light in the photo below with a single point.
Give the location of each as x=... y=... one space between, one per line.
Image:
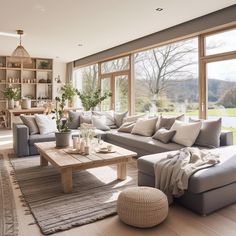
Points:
x=20 y=54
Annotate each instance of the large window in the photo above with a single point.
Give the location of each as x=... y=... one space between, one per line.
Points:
x=115 y=76
x=221 y=78
x=86 y=79
x=166 y=79
x=221 y=42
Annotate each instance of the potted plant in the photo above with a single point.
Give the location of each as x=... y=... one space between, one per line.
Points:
x=69 y=92
x=91 y=100
x=64 y=134
x=11 y=94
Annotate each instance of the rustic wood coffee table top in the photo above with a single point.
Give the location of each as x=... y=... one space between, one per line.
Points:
x=66 y=163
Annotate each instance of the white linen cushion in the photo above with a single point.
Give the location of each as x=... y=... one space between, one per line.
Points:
x=145 y=127
x=186 y=133
x=110 y=120
x=46 y=124
x=100 y=122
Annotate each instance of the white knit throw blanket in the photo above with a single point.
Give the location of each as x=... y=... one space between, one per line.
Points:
x=172 y=172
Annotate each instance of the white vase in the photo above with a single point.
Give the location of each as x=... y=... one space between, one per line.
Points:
x=11 y=104
x=17 y=104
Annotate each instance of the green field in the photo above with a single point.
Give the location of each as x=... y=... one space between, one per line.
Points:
x=211 y=112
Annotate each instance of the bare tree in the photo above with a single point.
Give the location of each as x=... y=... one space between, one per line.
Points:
x=160 y=65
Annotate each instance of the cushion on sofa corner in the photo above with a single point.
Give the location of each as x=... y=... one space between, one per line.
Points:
x=186 y=133
x=30 y=122
x=210 y=132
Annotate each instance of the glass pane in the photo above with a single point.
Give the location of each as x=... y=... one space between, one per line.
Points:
x=121 y=93
x=222 y=93
x=221 y=42
x=115 y=65
x=166 y=79
x=86 y=80
x=106 y=86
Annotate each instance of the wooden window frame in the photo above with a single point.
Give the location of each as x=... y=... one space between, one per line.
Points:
x=203 y=60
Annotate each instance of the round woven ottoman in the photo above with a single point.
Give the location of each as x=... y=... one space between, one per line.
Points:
x=142 y=206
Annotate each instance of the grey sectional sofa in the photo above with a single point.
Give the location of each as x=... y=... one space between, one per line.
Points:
x=209 y=189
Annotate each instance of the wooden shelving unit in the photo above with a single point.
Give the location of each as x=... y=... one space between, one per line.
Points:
x=34 y=80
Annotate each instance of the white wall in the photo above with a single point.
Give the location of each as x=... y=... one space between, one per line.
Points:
x=59 y=68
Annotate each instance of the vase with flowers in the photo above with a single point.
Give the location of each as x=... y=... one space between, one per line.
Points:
x=11 y=94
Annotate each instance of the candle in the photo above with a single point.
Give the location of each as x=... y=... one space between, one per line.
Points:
x=75 y=142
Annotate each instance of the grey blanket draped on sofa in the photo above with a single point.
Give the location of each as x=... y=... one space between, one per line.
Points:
x=173 y=171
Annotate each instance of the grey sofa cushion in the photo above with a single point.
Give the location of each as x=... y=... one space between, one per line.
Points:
x=167 y=122
x=119 y=118
x=30 y=122
x=210 y=178
x=164 y=135
x=74 y=119
x=37 y=138
x=146 y=143
x=209 y=135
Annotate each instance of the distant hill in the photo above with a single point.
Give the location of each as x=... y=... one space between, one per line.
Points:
x=179 y=90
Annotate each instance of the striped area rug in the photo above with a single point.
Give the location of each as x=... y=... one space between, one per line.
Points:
x=8 y=217
x=94 y=194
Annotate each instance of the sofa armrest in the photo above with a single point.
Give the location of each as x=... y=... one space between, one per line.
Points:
x=20 y=140
x=226 y=138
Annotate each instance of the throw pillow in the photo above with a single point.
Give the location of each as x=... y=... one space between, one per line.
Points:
x=186 y=133
x=74 y=119
x=100 y=123
x=133 y=118
x=86 y=119
x=209 y=135
x=119 y=118
x=167 y=122
x=164 y=135
x=110 y=121
x=46 y=124
x=30 y=122
x=126 y=127
x=145 y=127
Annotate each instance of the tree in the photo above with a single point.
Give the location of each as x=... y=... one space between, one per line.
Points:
x=228 y=100
x=160 y=65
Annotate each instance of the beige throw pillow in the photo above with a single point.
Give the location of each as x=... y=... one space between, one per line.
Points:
x=186 y=133
x=46 y=124
x=145 y=127
x=127 y=127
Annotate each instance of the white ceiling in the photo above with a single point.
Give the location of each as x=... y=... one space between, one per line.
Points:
x=54 y=28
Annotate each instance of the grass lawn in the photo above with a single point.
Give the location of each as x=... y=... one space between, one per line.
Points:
x=211 y=112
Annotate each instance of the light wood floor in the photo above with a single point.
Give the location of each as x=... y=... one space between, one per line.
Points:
x=180 y=221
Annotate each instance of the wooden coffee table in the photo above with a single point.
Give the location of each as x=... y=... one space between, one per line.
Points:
x=67 y=163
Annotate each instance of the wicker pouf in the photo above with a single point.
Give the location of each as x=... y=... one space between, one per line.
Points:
x=142 y=206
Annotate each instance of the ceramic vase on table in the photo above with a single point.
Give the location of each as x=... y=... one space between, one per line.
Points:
x=63 y=139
